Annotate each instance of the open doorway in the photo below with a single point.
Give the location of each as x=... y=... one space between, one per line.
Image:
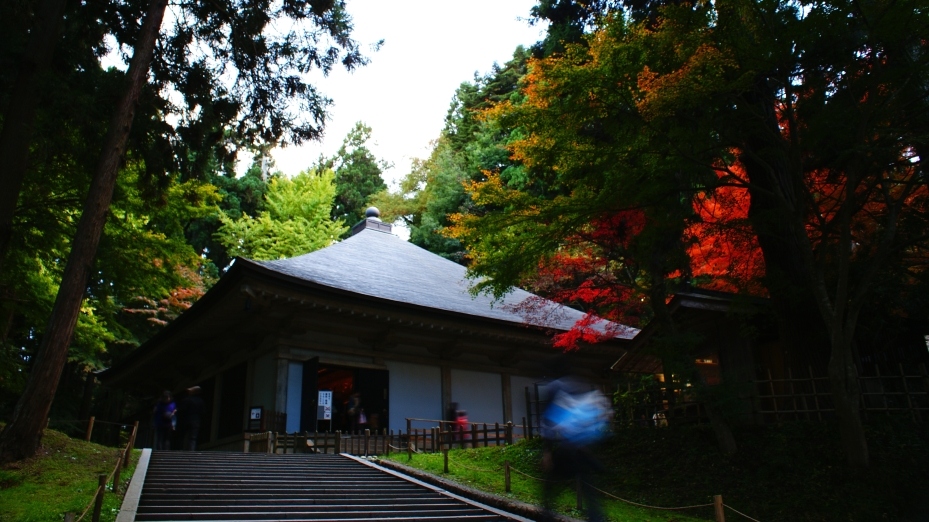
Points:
x=365 y=389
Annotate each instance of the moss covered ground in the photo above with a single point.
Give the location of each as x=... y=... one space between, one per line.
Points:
x=62 y=478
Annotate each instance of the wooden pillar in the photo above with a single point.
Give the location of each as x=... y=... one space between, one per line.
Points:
x=280 y=390
x=249 y=391
x=446 y=390
x=507 y=397
x=217 y=401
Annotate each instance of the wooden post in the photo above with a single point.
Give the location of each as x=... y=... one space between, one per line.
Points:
x=577 y=488
x=506 y=475
x=718 y=507
x=338 y=442
x=390 y=438
x=474 y=439
x=527 y=421
x=367 y=437
x=409 y=440
x=98 y=499
x=90 y=428
x=132 y=436
x=116 y=473
x=485 y=434
x=525 y=434
x=445 y=456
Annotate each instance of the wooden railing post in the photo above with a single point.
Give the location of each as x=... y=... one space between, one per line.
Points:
x=718 y=507
x=98 y=500
x=474 y=435
x=116 y=473
x=509 y=432
x=131 y=444
x=338 y=442
x=367 y=439
x=506 y=475
x=525 y=433
x=90 y=428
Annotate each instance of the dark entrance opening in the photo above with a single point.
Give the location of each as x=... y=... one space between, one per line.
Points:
x=343 y=382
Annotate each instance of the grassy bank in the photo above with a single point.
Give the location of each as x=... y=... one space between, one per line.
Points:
x=482 y=469
x=788 y=472
x=62 y=478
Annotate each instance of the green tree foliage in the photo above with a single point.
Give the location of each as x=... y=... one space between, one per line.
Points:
x=357 y=175
x=144 y=257
x=240 y=195
x=468 y=147
x=223 y=76
x=815 y=112
x=296 y=220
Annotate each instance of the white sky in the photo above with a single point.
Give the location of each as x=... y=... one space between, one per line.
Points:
x=430 y=48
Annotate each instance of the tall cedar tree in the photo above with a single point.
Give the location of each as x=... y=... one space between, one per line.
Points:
x=357 y=175
x=209 y=44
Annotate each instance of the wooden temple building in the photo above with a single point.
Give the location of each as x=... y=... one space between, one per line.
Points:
x=372 y=315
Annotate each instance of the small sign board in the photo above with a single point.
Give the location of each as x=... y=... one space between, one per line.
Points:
x=324 y=406
x=255 y=415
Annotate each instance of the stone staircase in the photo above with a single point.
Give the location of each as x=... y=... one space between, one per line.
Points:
x=256 y=486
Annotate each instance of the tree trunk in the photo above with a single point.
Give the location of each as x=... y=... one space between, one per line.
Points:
x=777 y=214
x=19 y=115
x=846 y=393
x=23 y=434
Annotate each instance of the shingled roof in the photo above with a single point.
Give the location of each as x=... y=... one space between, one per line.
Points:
x=379 y=264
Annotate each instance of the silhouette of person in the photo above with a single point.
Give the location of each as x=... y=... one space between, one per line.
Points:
x=163 y=421
x=190 y=412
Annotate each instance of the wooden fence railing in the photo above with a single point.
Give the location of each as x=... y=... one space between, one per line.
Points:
x=440 y=435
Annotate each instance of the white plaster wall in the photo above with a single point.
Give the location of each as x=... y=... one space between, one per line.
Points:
x=294 y=389
x=518 y=390
x=415 y=391
x=263 y=384
x=480 y=394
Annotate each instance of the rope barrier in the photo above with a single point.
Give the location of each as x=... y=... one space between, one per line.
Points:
x=119 y=458
x=739 y=512
x=92 y=502
x=457 y=463
x=646 y=505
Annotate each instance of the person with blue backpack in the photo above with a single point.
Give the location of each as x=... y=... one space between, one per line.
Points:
x=577 y=416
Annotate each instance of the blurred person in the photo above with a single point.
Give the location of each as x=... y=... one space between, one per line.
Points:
x=577 y=416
